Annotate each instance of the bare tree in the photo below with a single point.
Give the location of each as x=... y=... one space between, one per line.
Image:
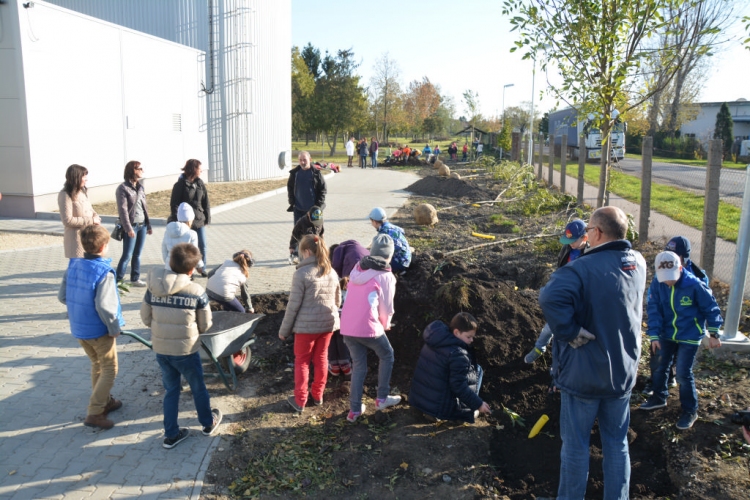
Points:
x=386 y=90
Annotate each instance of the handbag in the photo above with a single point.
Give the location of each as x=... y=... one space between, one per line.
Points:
x=117 y=231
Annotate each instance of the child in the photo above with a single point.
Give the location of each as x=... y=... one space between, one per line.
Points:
x=427 y=152
x=575 y=242
x=678 y=306
x=365 y=318
x=179 y=232
x=226 y=280
x=465 y=152
x=402 y=253
x=177 y=311
x=311 y=223
x=447 y=380
x=312 y=314
x=89 y=290
x=436 y=151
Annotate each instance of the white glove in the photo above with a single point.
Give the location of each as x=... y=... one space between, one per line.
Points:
x=583 y=338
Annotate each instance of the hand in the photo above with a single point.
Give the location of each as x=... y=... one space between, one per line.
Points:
x=282 y=338
x=115 y=335
x=746 y=434
x=251 y=311
x=131 y=234
x=655 y=346
x=485 y=408
x=713 y=343
x=97 y=220
x=150 y=231
x=583 y=338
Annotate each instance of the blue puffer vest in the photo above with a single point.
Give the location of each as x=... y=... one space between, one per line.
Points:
x=80 y=295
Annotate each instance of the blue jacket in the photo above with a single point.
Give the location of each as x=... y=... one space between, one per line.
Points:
x=678 y=312
x=602 y=291
x=401 y=251
x=82 y=279
x=445 y=381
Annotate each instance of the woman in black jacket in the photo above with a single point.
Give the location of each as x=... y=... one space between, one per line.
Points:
x=131 y=207
x=190 y=189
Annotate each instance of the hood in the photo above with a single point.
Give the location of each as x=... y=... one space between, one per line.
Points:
x=177 y=229
x=360 y=277
x=438 y=334
x=162 y=282
x=310 y=261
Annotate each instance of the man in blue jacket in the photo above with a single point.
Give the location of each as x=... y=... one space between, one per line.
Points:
x=595 y=305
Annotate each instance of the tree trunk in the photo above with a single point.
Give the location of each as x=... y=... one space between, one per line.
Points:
x=335 y=141
x=679 y=82
x=653 y=114
x=604 y=165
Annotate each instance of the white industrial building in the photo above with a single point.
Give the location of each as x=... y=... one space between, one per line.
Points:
x=702 y=126
x=102 y=82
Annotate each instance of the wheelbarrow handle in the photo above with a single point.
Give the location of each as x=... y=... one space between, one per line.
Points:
x=138 y=338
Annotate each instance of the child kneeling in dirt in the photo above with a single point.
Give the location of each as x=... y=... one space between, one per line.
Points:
x=311 y=223
x=228 y=279
x=575 y=242
x=447 y=380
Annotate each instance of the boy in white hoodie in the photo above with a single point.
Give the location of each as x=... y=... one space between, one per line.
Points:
x=180 y=232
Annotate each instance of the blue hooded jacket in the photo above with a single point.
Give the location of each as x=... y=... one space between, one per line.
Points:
x=83 y=277
x=602 y=291
x=401 y=251
x=445 y=380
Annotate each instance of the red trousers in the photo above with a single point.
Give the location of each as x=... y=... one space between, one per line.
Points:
x=310 y=347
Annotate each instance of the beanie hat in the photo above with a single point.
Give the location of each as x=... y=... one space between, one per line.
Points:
x=185 y=212
x=316 y=216
x=667 y=266
x=679 y=245
x=378 y=214
x=573 y=231
x=382 y=246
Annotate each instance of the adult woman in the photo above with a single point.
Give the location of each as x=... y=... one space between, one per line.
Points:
x=190 y=189
x=131 y=207
x=76 y=211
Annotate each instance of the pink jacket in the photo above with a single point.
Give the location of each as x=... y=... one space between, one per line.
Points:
x=368 y=307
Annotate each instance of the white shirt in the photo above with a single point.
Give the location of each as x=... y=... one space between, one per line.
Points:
x=350 y=148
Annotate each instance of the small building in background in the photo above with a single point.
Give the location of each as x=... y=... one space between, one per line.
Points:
x=702 y=126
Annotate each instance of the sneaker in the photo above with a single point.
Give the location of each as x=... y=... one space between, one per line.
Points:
x=476 y=414
x=112 y=405
x=181 y=436
x=209 y=431
x=653 y=403
x=202 y=272
x=291 y=259
x=354 y=415
x=334 y=370
x=318 y=402
x=533 y=355
x=101 y=421
x=686 y=420
x=382 y=404
x=672 y=382
x=648 y=390
x=138 y=283
x=346 y=369
x=293 y=403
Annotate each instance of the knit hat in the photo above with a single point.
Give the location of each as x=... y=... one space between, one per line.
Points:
x=679 y=245
x=316 y=216
x=573 y=231
x=185 y=212
x=667 y=266
x=382 y=246
x=378 y=214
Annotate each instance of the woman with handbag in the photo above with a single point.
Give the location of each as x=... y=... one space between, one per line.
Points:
x=131 y=207
x=76 y=211
x=190 y=189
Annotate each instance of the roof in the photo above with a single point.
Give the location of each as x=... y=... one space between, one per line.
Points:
x=468 y=129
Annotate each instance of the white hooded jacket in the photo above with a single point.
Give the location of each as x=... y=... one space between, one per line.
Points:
x=177 y=232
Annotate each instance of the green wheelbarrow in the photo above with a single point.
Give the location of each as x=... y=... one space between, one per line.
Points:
x=226 y=344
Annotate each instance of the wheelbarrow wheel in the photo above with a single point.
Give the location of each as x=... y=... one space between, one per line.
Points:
x=240 y=360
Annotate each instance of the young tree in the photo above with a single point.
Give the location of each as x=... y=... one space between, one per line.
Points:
x=386 y=91
x=504 y=139
x=724 y=129
x=599 y=48
x=471 y=105
x=544 y=124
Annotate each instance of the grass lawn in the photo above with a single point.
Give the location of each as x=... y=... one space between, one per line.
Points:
x=694 y=163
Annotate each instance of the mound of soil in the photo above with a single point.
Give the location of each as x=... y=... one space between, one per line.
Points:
x=449 y=188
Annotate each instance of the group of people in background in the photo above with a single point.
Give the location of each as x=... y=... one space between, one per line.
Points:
x=363 y=150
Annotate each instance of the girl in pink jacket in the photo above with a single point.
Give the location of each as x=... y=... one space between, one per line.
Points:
x=366 y=316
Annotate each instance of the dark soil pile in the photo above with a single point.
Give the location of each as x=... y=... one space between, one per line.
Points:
x=449 y=187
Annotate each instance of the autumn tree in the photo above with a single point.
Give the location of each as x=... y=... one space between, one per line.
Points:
x=724 y=129
x=386 y=92
x=421 y=101
x=599 y=47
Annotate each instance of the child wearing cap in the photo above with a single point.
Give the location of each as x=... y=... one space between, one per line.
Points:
x=230 y=279
x=402 y=253
x=678 y=306
x=179 y=232
x=575 y=242
x=311 y=223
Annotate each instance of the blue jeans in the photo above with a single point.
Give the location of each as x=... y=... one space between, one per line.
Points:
x=202 y=244
x=189 y=367
x=358 y=347
x=363 y=161
x=577 y=416
x=132 y=248
x=544 y=338
x=374 y=157
x=685 y=357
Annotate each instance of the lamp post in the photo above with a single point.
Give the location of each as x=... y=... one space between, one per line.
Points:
x=531 y=118
x=502 y=116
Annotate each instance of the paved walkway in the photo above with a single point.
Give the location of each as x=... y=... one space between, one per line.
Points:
x=45 y=450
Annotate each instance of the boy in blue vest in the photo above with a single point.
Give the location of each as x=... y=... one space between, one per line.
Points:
x=679 y=304
x=89 y=290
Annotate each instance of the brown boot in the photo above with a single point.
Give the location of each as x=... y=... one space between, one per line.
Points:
x=100 y=421
x=112 y=405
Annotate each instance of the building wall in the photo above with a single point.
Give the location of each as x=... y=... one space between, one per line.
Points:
x=703 y=124
x=98 y=95
x=248 y=55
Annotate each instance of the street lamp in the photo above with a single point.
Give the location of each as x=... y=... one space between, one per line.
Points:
x=531 y=118
x=502 y=116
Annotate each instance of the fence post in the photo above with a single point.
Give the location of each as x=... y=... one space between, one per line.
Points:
x=711 y=207
x=581 y=167
x=541 y=155
x=647 y=150
x=563 y=161
x=515 y=146
x=739 y=273
x=551 y=150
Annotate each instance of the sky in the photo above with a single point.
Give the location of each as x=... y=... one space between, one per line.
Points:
x=466 y=45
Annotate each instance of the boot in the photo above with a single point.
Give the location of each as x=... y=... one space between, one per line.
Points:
x=112 y=405
x=100 y=421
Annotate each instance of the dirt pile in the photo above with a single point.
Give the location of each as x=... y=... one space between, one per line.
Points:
x=450 y=188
